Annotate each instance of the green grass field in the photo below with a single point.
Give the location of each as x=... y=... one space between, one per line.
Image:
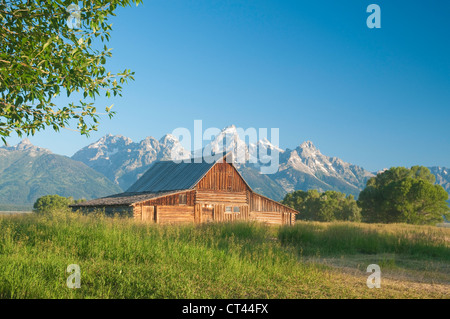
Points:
x=122 y=258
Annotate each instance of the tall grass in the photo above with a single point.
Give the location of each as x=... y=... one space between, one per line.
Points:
x=328 y=239
x=121 y=258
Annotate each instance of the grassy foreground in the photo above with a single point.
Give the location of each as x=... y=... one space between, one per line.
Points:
x=121 y=258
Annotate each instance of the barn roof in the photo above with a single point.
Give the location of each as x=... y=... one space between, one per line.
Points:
x=169 y=176
x=122 y=199
x=166 y=176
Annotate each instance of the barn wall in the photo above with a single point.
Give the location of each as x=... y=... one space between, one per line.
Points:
x=171 y=200
x=145 y=210
x=144 y=213
x=174 y=214
x=222 y=177
x=268 y=211
x=203 y=196
x=267 y=217
x=263 y=204
x=209 y=206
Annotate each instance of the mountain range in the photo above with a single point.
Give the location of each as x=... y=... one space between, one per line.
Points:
x=114 y=162
x=123 y=161
x=28 y=172
x=305 y=167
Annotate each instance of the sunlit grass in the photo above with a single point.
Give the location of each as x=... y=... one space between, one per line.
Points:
x=122 y=258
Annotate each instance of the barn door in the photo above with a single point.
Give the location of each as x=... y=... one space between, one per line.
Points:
x=207 y=213
x=147 y=213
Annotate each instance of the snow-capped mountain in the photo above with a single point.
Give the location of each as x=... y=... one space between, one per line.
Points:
x=230 y=140
x=124 y=161
x=306 y=167
x=25 y=145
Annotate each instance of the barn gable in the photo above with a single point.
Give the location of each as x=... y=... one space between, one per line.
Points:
x=223 y=177
x=165 y=176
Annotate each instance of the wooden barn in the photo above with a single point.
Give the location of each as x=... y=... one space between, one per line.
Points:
x=210 y=191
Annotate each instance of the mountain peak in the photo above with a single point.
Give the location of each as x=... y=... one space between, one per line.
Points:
x=308 y=145
x=26 y=145
x=231 y=127
x=111 y=139
x=265 y=143
x=168 y=138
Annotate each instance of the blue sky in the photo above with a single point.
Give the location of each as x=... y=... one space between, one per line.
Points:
x=373 y=97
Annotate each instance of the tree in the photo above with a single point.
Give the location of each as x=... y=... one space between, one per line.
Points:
x=404 y=195
x=326 y=206
x=52 y=203
x=44 y=54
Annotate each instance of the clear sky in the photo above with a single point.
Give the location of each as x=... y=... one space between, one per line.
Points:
x=373 y=97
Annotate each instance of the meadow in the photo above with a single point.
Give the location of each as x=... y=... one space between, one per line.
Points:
x=122 y=258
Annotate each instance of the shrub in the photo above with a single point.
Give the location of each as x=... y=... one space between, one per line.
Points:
x=52 y=203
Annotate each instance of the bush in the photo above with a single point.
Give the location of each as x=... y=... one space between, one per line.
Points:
x=52 y=203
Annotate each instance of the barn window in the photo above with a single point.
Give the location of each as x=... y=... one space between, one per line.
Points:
x=182 y=199
x=228 y=209
x=236 y=209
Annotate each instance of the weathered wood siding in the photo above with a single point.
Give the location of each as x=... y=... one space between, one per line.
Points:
x=145 y=210
x=221 y=215
x=222 y=177
x=174 y=214
x=268 y=211
x=172 y=200
x=202 y=196
x=267 y=217
x=148 y=213
x=205 y=213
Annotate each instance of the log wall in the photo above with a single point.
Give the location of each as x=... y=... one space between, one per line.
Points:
x=142 y=212
x=222 y=177
x=265 y=210
x=217 y=197
x=221 y=215
x=174 y=214
x=172 y=200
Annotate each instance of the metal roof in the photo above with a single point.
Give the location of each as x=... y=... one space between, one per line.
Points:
x=122 y=199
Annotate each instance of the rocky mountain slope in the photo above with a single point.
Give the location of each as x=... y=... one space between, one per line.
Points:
x=28 y=172
x=123 y=161
x=306 y=167
x=442 y=176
